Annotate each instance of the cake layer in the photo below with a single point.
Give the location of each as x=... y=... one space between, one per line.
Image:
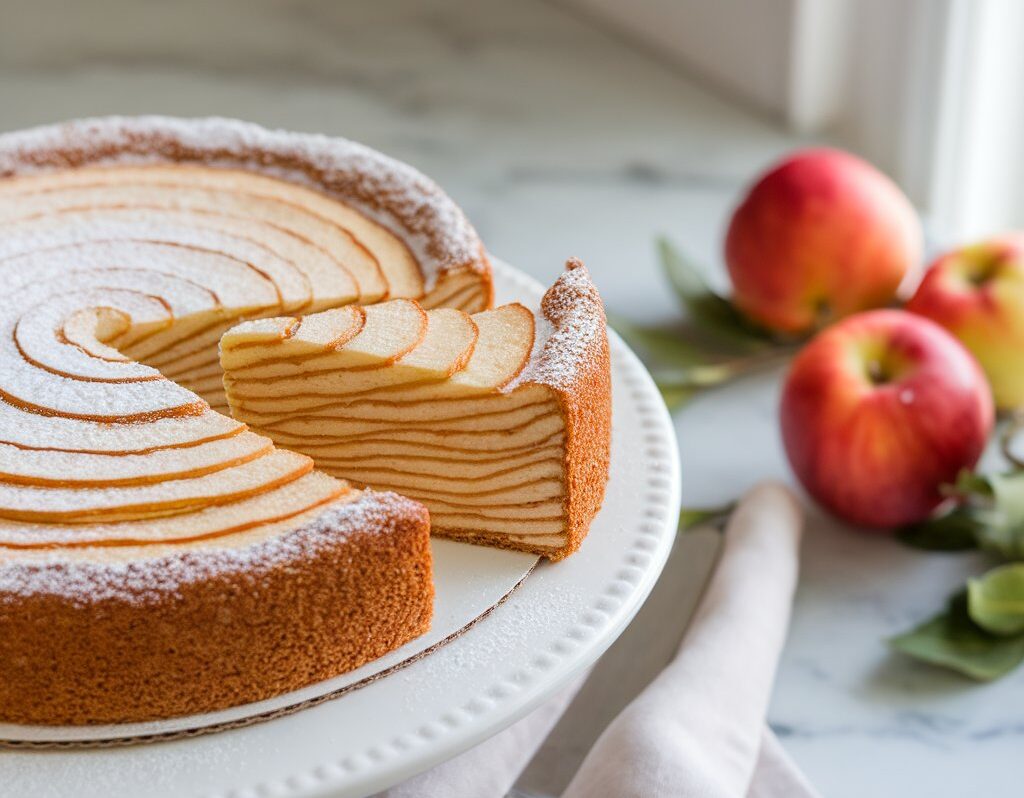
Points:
x=490 y=435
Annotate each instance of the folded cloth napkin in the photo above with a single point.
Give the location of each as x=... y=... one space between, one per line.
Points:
x=697 y=731
x=776 y=775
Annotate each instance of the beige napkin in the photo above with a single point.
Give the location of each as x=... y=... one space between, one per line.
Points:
x=776 y=775
x=698 y=729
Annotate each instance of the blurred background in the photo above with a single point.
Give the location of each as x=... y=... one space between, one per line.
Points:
x=587 y=128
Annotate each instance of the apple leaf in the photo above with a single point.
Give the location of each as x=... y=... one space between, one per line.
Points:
x=952 y=640
x=690 y=517
x=956 y=530
x=997 y=503
x=990 y=515
x=713 y=314
x=675 y=396
x=680 y=367
x=657 y=344
x=995 y=601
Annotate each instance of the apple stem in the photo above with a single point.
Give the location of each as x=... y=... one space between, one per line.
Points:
x=877 y=373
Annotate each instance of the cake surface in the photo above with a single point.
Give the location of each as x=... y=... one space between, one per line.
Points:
x=157 y=556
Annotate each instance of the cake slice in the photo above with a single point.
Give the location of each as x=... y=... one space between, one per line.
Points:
x=499 y=421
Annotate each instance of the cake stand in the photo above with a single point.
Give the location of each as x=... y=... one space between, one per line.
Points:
x=509 y=631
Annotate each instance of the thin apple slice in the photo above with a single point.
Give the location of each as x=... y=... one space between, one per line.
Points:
x=328 y=330
x=502 y=351
x=319 y=248
x=463 y=290
x=308 y=491
x=503 y=347
x=260 y=332
x=74 y=505
x=192 y=338
x=444 y=349
x=251 y=342
x=131 y=225
x=390 y=330
x=48 y=467
x=230 y=282
x=52 y=394
x=90 y=328
x=28 y=385
x=35 y=431
x=400 y=271
x=330 y=283
x=285 y=205
x=39 y=334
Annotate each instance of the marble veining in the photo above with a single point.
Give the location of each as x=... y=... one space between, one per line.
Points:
x=558 y=140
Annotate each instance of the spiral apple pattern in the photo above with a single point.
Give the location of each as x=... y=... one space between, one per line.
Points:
x=120 y=278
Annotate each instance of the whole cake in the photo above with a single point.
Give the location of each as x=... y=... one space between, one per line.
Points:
x=157 y=557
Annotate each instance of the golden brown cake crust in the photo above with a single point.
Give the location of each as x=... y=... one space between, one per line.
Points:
x=575 y=364
x=200 y=631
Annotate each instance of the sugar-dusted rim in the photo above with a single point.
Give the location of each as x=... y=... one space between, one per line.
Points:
x=392 y=193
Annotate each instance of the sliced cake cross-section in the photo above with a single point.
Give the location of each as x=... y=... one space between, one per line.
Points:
x=498 y=421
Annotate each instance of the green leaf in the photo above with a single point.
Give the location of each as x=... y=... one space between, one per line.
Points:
x=995 y=601
x=956 y=530
x=656 y=344
x=952 y=640
x=675 y=396
x=998 y=504
x=712 y=313
x=704 y=375
x=971 y=484
x=694 y=516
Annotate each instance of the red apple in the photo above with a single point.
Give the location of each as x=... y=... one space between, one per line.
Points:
x=822 y=235
x=977 y=293
x=879 y=411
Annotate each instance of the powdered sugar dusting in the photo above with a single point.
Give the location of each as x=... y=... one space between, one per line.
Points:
x=388 y=191
x=569 y=332
x=155 y=579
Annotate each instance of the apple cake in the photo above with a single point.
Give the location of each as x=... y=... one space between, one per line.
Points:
x=158 y=556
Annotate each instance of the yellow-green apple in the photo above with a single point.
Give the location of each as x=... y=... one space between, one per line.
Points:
x=821 y=235
x=977 y=293
x=879 y=411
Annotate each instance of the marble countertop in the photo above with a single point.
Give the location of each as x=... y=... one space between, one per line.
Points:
x=560 y=140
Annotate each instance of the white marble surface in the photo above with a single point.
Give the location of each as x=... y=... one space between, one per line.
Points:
x=559 y=140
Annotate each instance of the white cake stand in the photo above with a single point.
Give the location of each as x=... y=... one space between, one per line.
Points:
x=508 y=632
